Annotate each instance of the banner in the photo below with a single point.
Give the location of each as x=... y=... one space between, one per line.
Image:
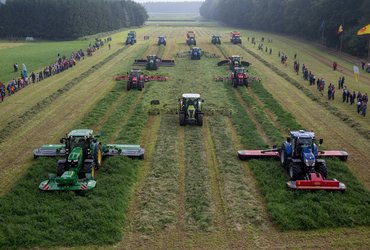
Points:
x=356 y=72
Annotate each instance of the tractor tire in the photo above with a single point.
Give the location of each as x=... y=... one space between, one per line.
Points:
x=60 y=167
x=98 y=156
x=200 y=120
x=195 y=43
x=295 y=172
x=235 y=83
x=323 y=170
x=89 y=169
x=283 y=157
x=128 y=86
x=182 y=119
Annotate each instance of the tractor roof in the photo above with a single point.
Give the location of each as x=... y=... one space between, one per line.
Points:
x=190 y=95
x=233 y=56
x=195 y=48
x=302 y=134
x=81 y=133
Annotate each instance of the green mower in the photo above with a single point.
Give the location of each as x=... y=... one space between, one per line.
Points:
x=82 y=154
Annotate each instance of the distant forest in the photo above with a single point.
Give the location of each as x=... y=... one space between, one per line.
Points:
x=311 y=20
x=173 y=7
x=67 y=19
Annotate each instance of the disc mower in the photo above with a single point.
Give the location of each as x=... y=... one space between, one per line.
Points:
x=131 y=38
x=300 y=156
x=235 y=37
x=216 y=39
x=81 y=155
x=190 y=109
x=190 y=38
x=234 y=61
x=162 y=40
x=152 y=62
x=239 y=77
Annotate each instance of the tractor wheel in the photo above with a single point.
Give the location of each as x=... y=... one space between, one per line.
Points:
x=295 y=172
x=60 y=167
x=200 y=119
x=98 y=156
x=235 y=83
x=90 y=169
x=182 y=119
x=323 y=170
x=128 y=86
x=283 y=157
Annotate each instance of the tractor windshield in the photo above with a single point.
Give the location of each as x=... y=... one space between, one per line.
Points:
x=239 y=71
x=304 y=142
x=77 y=141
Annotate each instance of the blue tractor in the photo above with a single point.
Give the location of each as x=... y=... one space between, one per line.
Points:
x=300 y=156
x=195 y=53
x=216 y=39
x=131 y=38
x=162 y=40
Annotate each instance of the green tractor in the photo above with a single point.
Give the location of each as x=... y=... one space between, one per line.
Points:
x=81 y=154
x=190 y=109
x=152 y=62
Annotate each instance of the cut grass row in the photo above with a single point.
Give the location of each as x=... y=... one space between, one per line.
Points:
x=199 y=207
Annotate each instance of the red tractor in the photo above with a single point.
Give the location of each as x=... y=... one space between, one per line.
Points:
x=239 y=77
x=135 y=80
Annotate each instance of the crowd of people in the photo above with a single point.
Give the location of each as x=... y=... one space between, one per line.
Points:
x=62 y=63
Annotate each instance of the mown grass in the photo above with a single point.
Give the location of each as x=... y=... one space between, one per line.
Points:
x=197 y=184
x=241 y=204
x=65 y=218
x=157 y=202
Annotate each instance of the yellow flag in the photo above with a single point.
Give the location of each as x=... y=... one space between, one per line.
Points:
x=340 y=29
x=364 y=31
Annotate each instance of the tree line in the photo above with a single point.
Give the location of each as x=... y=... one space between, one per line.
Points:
x=67 y=19
x=315 y=20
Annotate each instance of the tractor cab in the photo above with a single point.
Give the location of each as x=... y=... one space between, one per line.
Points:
x=303 y=147
x=162 y=40
x=235 y=61
x=190 y=106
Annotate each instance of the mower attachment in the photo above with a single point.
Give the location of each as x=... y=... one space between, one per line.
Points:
x=167 y=63
x=223 y=62
x=54 y=183
x=49 y=150
x=158 y=78
x=317 y=182
x=121 y=149
x=140 y=62
x=342 y=155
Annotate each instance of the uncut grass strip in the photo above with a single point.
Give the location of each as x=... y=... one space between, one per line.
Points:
x=181 y=194
x=242 y=205
x=44 y=103
x=284 y=118
x=333 y=110
x=199 y=208
x=158 y=204
x=272 y=132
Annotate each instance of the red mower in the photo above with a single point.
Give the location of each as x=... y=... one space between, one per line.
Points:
x=300 y=156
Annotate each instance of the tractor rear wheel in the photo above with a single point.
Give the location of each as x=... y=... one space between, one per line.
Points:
x=182 y=119
x=128 y=86
x=235 y=83
x=89 y=169
x=200 y=119
x=98 y=156
x=295 y=172
x=323 y=170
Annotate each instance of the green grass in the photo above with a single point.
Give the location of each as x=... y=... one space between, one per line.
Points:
x=36 y=56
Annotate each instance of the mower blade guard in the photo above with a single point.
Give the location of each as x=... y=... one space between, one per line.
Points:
x=316 y=182
x=223 y=62
x=255 y=154
x=49 y=150
x=168 y=63
x=141 y=62
x=342 y=155
x=120 y=78
x=80 y=185
x=122 y=149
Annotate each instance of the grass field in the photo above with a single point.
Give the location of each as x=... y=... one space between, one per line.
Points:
x=191 y=190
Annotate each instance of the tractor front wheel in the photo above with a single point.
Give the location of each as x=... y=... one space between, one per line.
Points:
x=323 y=170
x=283 y=157
x=128 y=86
x=235 y=83
x=295 y=172
x=98 y=156
x=182 y=119
x=200 y=119
x=90 y=169
x=60 y=167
